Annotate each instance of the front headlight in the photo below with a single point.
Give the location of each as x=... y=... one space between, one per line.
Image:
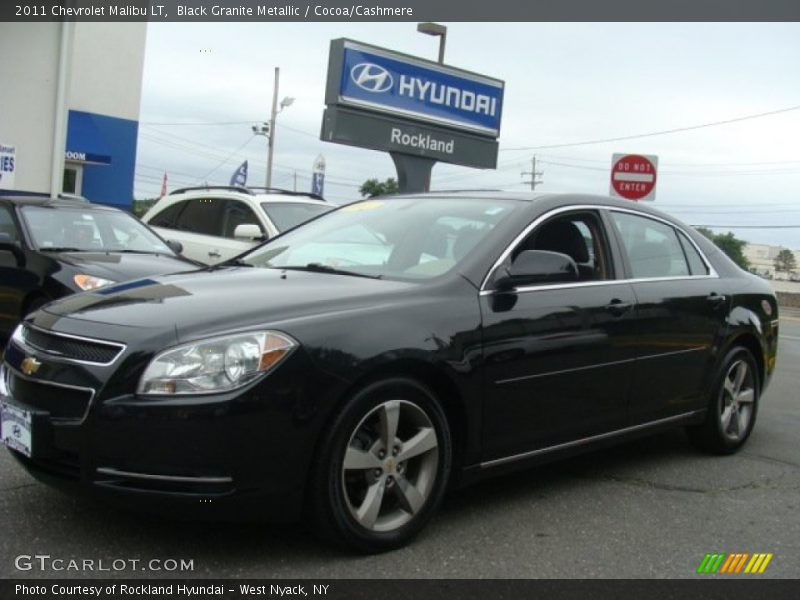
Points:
x=215 y=365
x=90 y=282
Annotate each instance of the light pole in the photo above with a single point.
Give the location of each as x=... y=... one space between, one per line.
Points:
x=437 y=30
x=268 y=129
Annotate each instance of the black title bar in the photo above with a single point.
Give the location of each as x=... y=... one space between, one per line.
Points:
x=398 y=10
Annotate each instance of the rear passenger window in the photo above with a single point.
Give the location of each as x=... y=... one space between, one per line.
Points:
x=168 y=217
x=203 y=216
x=696 y=263
x=653 y=247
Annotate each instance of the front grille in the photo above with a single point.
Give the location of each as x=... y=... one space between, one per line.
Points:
x=71 y=348
x=60 y=402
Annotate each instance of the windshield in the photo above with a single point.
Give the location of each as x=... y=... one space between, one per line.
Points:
x=414 y=238
x=84 y=229
x=285 y=215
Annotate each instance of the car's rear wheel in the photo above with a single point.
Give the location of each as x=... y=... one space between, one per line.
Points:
x=383 y=466
x=732 y=406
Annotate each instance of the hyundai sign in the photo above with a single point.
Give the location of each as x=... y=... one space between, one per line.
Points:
x=379 y=80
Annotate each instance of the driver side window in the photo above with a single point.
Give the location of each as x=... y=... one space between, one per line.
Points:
x=580 y=236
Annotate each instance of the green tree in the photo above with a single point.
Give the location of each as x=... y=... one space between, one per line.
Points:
x=785 y=261
x=729 y=244
x=372 y=187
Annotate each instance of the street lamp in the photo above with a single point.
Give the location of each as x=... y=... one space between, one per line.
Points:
x=268 y=129
x=438 y=30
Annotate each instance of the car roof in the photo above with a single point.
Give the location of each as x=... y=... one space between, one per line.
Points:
x=551 y=199
x=255 y=193
x=50 y=202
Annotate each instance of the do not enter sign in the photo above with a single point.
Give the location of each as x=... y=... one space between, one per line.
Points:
x=633 y=176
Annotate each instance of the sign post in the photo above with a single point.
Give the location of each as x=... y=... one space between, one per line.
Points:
x=419 y=111
x=633 y=176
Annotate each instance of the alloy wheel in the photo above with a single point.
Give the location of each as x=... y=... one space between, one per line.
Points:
x=390 y=465
x=738 y=396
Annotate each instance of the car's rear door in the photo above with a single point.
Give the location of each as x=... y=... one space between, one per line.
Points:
x=558 y=358
x=680 y=312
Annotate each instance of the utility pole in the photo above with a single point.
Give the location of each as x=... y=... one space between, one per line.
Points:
x=271 y=138
x=534 y=174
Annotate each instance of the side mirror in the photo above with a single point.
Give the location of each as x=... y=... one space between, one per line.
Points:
x=249 y=232
x=175 y=246
x=14 y=249
x=532 y=267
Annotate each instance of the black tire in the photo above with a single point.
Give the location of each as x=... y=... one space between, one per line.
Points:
x=338 y=497
x=722 y=431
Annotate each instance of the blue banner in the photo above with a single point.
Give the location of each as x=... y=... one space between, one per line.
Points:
x=403 y=86
x=239 y=176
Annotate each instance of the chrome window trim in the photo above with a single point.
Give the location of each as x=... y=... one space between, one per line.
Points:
x=484 y=290
x=587 y=440
x=173 y=478
x=60 y=420
x=80 y=338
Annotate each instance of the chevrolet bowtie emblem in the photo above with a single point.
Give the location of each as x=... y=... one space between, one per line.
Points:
x=30 y=365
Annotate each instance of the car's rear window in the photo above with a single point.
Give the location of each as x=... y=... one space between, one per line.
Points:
x=285 y=215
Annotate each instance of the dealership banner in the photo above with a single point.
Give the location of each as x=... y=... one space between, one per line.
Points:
x=8 y=166
x=399 y=10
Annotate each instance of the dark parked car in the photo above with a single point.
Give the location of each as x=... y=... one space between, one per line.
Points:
x=50 y=248
x=358 y=365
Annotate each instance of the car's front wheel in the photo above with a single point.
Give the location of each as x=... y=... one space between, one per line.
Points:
x=382 y=467
x=732 y=406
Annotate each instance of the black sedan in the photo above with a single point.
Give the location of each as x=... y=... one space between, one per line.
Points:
x=50 y=248
x=352 y=369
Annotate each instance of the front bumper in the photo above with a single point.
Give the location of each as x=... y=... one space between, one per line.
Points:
x=240 y=455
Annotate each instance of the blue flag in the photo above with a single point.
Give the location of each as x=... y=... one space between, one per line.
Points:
x=239 y=176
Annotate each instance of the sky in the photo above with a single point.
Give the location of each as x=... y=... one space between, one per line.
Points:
x=205 y=85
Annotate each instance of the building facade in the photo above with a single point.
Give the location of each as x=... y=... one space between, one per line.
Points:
x=762 y=261
x=76 y=88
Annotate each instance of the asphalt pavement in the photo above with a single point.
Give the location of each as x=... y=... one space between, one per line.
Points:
x=651 y=508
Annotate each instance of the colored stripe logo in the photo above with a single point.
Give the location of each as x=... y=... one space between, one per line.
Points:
x=734 y=563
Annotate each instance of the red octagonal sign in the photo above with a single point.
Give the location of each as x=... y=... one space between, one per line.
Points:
x=633 y=176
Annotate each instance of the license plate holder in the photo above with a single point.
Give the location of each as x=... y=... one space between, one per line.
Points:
x=16 y=428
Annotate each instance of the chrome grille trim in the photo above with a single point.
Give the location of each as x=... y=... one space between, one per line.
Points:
x=119 y=347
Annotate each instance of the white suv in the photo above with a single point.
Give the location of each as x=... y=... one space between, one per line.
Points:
x=216 y=223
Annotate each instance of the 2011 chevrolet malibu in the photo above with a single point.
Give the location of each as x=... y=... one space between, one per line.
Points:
x=352 y=369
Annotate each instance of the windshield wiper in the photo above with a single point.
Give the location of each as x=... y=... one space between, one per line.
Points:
x=129 y=251
x=63 y=249
x=234 y=262
x=315 y=267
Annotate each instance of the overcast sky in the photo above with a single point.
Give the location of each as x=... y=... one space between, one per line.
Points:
x=565 y=84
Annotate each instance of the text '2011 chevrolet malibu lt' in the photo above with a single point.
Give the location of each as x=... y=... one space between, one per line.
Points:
x=349 y=371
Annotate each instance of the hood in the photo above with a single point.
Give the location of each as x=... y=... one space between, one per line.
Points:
x=226 y=299
x=118 y=266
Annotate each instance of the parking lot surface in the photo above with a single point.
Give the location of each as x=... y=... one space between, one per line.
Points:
x=651 y=508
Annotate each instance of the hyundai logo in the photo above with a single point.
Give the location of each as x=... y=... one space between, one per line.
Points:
x=371 y=77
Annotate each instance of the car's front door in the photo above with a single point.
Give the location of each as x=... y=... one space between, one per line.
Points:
x=558 y=358
x=681 y=309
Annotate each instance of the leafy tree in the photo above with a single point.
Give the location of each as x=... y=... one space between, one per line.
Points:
x=729 y=244
x=785 y=261
x=372 y=187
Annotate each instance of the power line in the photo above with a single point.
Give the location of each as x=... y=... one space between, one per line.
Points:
x=655 y=133
x=161 y=124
